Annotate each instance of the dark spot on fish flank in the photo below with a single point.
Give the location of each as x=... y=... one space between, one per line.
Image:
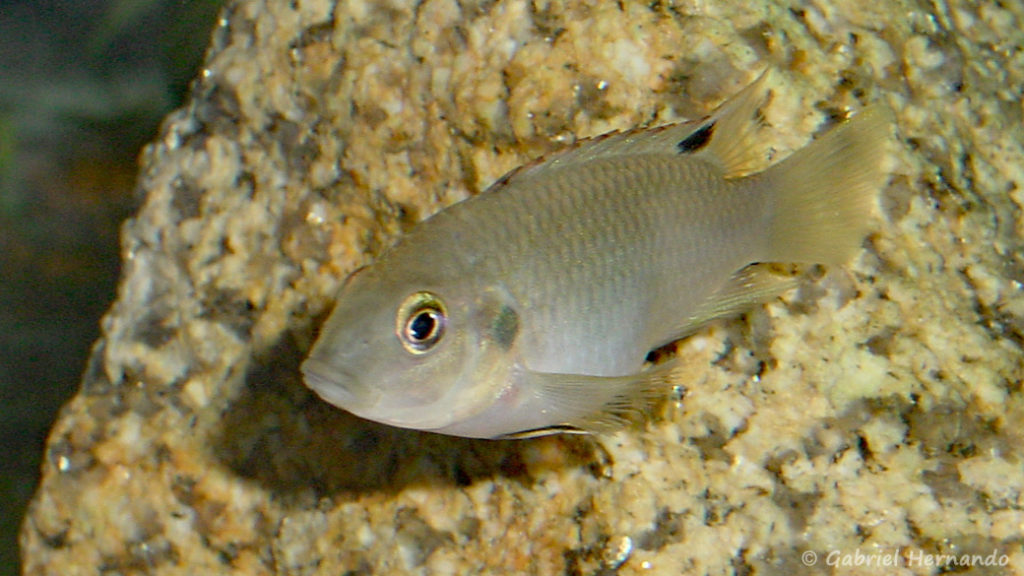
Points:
x=505 y=327
x=697 y=140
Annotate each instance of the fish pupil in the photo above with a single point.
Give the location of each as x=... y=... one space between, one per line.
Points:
x=423 y=325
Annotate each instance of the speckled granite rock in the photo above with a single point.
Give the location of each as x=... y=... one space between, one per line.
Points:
x=876 y=411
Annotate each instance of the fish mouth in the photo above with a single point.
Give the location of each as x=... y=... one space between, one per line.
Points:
x=343 y=390
x=336 y=386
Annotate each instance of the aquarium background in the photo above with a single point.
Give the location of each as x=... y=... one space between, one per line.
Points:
x=83 y=86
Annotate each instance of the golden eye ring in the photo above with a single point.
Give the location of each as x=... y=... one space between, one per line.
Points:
x=421 y=322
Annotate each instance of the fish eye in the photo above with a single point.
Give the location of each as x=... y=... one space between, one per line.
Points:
x=421 y=322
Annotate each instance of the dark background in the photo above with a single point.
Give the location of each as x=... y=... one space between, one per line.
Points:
x=84 y=85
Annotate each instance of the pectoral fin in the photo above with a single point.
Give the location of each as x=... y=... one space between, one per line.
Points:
x=593 y=404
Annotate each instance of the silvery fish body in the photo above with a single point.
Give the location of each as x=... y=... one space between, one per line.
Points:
x=530 y=308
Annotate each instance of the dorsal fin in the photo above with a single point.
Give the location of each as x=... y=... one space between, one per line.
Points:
x=726 y=138
x=697 y=140
x=656 y=140
x=736 y=124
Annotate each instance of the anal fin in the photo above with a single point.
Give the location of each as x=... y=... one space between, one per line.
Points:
x=595 y=404
x=749 y=286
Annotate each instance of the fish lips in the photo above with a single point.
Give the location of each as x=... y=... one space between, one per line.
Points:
x=336 y=386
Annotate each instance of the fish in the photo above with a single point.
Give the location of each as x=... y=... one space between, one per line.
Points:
x=532 y=308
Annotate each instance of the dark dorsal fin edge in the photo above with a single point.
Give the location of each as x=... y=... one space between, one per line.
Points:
x=697 y=140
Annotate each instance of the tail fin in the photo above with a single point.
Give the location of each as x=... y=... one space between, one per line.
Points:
x=825 y=191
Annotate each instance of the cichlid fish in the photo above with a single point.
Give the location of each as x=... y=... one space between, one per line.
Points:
x=530 y=308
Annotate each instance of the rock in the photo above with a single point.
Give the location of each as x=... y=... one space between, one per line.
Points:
x=876 y=411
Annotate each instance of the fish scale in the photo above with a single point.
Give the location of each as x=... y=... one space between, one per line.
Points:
x=620 y=251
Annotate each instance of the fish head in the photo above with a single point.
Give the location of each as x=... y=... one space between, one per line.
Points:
x=411 y=351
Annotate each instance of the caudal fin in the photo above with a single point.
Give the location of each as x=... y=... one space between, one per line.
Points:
x=825 y=191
